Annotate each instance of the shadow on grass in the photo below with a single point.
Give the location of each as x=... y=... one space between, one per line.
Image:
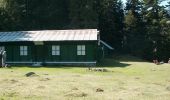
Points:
x=116 y=61
x=128 y=58
x=103 y=63
x=111 y=63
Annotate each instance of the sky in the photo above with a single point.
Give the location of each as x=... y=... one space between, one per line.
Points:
x=163 y=3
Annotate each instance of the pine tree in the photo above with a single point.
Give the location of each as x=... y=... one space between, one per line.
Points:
x=14 y=11
x=111 y=15
x=134 y=33
x=82 y=14
x=156 y=16
x=47 y=14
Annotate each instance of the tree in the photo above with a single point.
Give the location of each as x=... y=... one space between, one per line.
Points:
x=168 y=7
x=13 y=12
x=134 y=33
x=155 y=16
x=47 y=14
x=111 y=15
x=82 y=14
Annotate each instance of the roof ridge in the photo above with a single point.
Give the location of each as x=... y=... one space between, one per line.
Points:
x=49 y=30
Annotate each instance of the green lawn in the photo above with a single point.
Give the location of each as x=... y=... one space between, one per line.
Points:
x=128 y=79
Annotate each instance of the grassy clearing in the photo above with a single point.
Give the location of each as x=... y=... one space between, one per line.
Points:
x=126 y=80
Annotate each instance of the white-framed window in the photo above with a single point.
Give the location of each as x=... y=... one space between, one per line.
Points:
x=55 y=50
x=2 y=48
x=81 y=50
x=23 y=50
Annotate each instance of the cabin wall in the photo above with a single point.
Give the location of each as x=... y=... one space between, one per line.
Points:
x=43 y=53
x=68 y=51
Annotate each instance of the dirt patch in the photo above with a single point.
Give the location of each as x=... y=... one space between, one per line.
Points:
x=137 y=78
x=75 y=88
x=45 y=74
x=77 y=94
x=11 y=94
x=122 y=88
x=5 y=80
x=99 y=90
x=168 y=88
x=153 y=69
x=44 y=79
x=14 y=81
x=41 y=87
x=158 y=84
x=168 y=80
x=31 y=74
x=76 y=75
x=21 y=84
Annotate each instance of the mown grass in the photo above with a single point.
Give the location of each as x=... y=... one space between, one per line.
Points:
x=128 y=79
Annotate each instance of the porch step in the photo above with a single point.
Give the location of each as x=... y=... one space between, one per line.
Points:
x=37 y=64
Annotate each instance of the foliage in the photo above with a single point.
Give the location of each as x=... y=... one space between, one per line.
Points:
x=134 y=33
x=157 y=34
x=82 y=14
x=110 y=16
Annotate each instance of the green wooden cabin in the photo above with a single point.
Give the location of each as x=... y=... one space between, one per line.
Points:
x=51 y=47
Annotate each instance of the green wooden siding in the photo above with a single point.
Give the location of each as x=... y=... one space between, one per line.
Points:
x=10 y=55
x=43 y=53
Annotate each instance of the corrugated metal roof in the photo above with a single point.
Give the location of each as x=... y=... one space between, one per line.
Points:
x=50 y=35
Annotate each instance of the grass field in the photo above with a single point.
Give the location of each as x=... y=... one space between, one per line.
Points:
x=128 y=79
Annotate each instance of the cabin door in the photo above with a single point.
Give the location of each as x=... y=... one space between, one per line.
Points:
x=39 y=55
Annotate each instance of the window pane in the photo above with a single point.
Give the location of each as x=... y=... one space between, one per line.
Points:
x=21 y=48
x=25 y=53
x=53 y=53
x=53 y=48
x=83 y=47
x=25 y=48
x=57 y=47
x=57 y=53
x=83 y=53
x=21 y=53
x=78 y=52
x=81 y=50
x=79 y=47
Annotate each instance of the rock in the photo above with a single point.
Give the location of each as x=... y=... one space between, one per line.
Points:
x=100 y=70
x=31 y=74
x=99 y=90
